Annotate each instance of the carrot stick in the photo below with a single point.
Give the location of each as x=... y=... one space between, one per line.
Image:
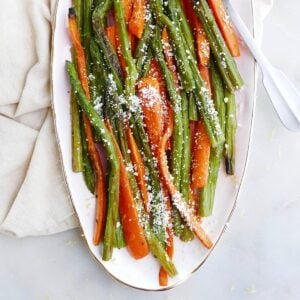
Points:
x=202 y=44
x=128 y=7
x=139 y=165
x=225 y=26
x=177 y=199
x=111 y=34
x=205 y=74
x=133 y=231
x=94 y=155
x=148 y=91
x=137 y=21
x=201 y=153
x=154 y=72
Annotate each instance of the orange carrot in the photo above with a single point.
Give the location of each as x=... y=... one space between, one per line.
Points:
x=94 y=155
x=201 y=145
x=178 y=201
x=204 y=72
x=137 y=21
x=154 y=72
x=111 y=34
x=148 y=91
x=225 y=26
x=139 y=165
x=128 y=7
x=202 y=44
x=200 y=159
x=133 y=231
x=203 y=48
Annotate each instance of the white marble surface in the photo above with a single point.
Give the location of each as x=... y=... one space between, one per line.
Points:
x=258 y=257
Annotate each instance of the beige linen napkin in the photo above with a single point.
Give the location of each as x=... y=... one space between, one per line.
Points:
x=33 y=197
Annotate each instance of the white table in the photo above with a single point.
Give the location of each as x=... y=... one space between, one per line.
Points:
x=258 y=257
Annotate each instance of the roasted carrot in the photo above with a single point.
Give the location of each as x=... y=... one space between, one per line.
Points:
x=154 y=72
x=225 y=26
x=205 y=74
x=128 y=6
x=148 y=91
x=137 y=21
x=94 y=155
x=177 y=199
x=200 y=159
x=203 y=48
x=133 y=230
x=111 y=34
x=202 y=44
x=139 y=166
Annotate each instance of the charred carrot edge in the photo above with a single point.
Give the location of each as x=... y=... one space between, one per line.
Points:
x=140 y=168
x=137 y=21
x=225 y=26
x=94 y=155
x=133 y=230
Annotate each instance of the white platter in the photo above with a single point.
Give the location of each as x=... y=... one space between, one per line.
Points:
x=143 y=274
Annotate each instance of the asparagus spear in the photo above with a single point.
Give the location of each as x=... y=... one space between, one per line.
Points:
x=76 y=136
x=193 y=113
x=78 y=9
x=230 y=131
x=142 y=49
x=177 y=44
x=114 y=165
x=175 y=9
x=207 y=194
x=176 y=101
x=88 y=172
x=204 y=103
x=86 y=27
x=136 y=121
x=226 y=63
x=154 y=244
x=101 y=11
x=187 y=234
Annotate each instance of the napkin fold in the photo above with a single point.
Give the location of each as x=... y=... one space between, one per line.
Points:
x=33 y=197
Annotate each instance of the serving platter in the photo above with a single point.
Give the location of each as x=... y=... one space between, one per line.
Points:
x=188 y=257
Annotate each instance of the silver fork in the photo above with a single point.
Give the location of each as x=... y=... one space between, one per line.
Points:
x=283 y=94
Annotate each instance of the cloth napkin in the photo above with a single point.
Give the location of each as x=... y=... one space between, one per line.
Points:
x=33 y=197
